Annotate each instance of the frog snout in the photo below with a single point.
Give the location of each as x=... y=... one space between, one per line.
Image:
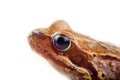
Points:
x=36 y=33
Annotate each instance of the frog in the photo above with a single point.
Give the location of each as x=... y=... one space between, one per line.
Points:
x=77 y=56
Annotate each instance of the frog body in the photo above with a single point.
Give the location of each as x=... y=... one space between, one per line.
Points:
x=76 y=55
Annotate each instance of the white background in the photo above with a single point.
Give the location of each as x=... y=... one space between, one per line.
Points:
x=98 y=19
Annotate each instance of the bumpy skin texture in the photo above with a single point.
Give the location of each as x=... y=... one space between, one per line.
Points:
x=87 y=59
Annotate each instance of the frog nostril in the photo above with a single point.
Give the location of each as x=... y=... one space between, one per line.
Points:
x=41 y=35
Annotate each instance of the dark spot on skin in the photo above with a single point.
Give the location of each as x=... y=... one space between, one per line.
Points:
x=94 y=55
x=103 y=75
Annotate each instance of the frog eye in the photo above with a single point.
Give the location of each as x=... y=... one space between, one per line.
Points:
x=61 y=42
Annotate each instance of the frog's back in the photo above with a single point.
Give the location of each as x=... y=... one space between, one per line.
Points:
x=105 y=57
x=93 y=46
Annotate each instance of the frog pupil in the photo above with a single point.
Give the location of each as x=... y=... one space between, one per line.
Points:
x=61 y=42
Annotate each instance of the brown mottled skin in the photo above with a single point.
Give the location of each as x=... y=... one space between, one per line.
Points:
x=88 y=59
